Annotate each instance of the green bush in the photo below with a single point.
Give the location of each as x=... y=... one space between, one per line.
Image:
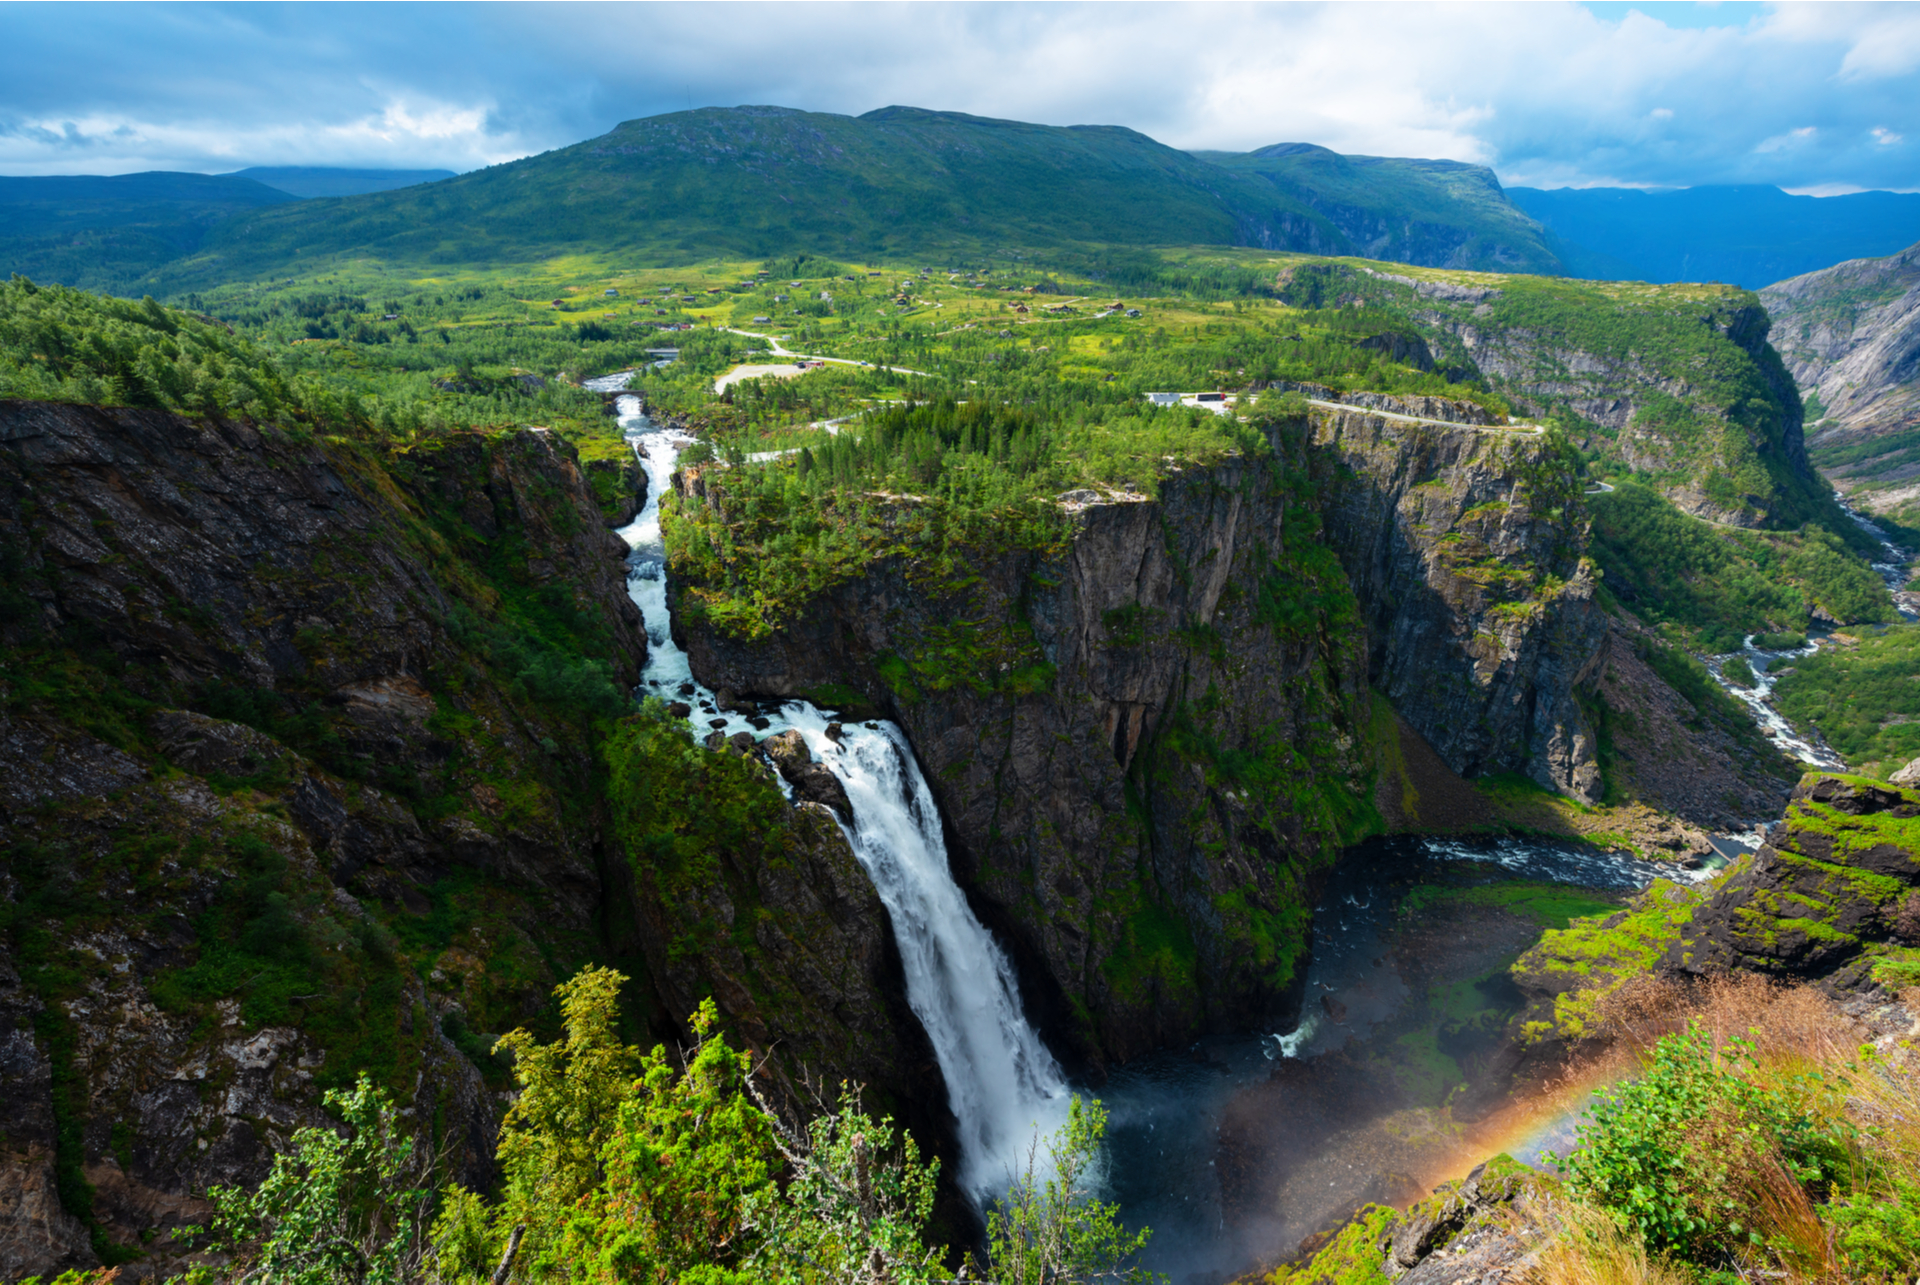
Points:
x=1685 y=1153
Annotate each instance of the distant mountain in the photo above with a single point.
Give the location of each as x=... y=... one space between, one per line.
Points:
x=1850 y=335
x=1438 y=213
x=100 y=232
x=758 y=181
x=754 y=182
x=104 y=233
x=1746 y=236
x=308 y=181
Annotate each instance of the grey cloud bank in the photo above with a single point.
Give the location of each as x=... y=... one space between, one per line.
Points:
x=1816 y=98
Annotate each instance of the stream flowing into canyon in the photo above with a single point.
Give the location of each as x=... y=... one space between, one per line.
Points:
x=1004 y=1087
x=1806 y=744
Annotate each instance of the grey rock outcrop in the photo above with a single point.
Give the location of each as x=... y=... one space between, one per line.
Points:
x=1464 y=547
x=1830 y=883
x=1850 y=336
x=811 y=780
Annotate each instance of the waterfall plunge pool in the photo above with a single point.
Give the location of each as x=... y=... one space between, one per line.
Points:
x=1237 y=1148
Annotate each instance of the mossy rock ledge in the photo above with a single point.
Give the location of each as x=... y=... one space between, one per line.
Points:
x=1481 y=1228
x=1829 y=898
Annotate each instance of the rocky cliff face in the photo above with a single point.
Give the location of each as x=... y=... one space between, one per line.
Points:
x=1111 y=732
x=1653 y=406
x=1850 y=336
x=1145 y=741
x=206 y=921
x=1676 y=380
x=1463 y=544
x=303 y=774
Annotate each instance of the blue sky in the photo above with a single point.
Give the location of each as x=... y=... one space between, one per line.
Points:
x=1822 y=97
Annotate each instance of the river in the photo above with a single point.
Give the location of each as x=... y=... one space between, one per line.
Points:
x=1807 y=744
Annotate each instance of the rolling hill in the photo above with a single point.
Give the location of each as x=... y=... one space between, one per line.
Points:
x=98 y=232
x=308 y=181
x=105 y=232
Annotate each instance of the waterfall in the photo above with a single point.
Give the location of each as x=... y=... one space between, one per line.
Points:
x=1004 y=1088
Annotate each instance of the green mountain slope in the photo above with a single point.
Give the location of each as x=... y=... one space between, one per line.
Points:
x=1437 y=213
x=753 y=182
x=757 y=181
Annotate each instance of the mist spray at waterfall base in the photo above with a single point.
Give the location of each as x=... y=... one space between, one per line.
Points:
x=1004 y=1088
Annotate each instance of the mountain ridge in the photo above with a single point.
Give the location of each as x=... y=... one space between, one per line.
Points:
x=758 y=180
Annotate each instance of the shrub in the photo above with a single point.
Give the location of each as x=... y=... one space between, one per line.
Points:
x=1690 y=1153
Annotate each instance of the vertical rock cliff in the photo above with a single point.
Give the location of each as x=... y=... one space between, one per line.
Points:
x=1463 y=543
x=283 y=798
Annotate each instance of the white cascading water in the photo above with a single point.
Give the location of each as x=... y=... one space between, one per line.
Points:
x=1005 y=1089
x=1807 y=747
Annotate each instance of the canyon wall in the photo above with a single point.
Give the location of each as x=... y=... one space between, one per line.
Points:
x=1145 y=742
x=302 y=775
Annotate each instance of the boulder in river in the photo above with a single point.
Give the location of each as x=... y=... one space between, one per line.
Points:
x=812 y=782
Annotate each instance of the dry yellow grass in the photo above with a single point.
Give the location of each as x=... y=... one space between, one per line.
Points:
x=1589 y=1248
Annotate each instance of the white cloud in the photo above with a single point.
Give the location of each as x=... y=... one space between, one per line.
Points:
x=1547 y=93
x=1792 y=138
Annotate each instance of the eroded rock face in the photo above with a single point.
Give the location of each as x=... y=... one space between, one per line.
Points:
x=1627 y=391
x=1826 y=889
x=795 y=947
x=1044 y=692
x=210 y=569
x=1463 y=545
x=1850 y=335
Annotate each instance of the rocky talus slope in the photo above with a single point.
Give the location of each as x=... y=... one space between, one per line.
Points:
x=1850 y=336
x=1146 y=741
x=302 y=775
